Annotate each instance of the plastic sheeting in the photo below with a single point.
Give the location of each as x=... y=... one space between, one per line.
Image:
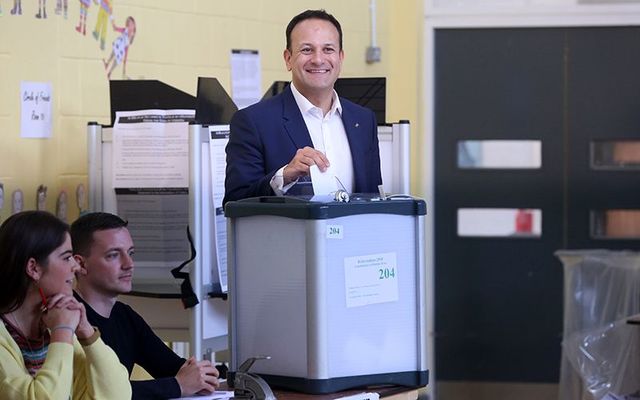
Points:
x=600 y=350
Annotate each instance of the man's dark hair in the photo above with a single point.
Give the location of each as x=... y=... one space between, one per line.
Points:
x=83 y=228
x=312 y=14
x=25 y=235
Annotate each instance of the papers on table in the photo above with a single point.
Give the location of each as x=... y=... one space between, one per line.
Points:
x=217 y=395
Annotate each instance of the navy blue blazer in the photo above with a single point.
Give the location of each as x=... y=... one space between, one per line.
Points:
x=265 y=136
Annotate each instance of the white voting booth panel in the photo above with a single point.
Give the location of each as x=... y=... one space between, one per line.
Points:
x=205 y=326
x=393 y=141
x=332 y=292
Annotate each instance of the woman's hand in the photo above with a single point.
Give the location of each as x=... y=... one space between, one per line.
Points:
x=85 y=329
x=61 y=317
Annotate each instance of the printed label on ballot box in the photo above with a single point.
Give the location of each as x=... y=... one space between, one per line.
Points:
x=371 y=279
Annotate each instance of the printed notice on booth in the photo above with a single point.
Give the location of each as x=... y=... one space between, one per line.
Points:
x=371 y=279
x=218 y=139
x=151 y=149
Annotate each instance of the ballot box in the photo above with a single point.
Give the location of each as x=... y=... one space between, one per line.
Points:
x=333 y=292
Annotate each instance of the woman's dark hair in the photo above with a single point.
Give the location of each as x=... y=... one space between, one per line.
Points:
x=25 y=235
x=312 y=14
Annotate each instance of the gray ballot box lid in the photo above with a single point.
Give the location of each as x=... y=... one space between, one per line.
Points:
x=324 y=207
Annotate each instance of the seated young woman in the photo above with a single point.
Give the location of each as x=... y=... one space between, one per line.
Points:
x=47 y=347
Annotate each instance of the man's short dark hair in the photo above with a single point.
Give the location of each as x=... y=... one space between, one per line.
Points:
x=312 y=14
x=83 y=228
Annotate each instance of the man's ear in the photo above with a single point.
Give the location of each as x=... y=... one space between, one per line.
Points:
x=287 y=58
x=82 y=263
x=33 y=269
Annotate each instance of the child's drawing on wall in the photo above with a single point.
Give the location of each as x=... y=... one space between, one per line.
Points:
x=17 y=7
x=104 y=15
x=120 y=47
x=42 y=9
x=61 y=7
x=82 y=22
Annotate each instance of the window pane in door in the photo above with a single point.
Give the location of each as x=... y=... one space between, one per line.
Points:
x=499 y=222
x=499 y=154
x=615 y=224
x=615 y=154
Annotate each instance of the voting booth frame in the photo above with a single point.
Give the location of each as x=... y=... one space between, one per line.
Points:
x=156 y=294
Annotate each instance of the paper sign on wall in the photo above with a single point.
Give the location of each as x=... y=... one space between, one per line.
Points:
x=371 y=279
x=245 y=77
x=35 y=99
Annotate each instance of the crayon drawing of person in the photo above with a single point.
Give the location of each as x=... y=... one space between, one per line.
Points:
x=104 y=14
x=41 y=198
x=42 y=9
x=82 y=22
x=81 y=199
x=17 y=201
x=61 y=206
x=61 y=7
x=17 y=7
x=120 y=48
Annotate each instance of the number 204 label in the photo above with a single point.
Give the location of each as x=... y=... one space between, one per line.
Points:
x=371 y=279
x=334 y=231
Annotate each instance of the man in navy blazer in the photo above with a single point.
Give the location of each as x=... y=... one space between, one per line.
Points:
x=274 y=144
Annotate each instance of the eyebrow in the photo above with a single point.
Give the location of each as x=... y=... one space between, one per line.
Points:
x=118 y=249
x=65 y=253
x=320 y=45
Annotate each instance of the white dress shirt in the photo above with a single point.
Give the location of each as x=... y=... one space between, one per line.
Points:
x=329 y=137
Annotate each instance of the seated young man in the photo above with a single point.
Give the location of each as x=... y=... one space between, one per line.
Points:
x=104 y=250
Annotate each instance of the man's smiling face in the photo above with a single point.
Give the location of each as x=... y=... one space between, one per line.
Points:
x=315 y=57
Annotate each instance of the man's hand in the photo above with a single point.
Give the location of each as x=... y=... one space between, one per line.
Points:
x=299 y=165
x=197 y=377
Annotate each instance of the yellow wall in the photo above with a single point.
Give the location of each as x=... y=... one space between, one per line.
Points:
x=176 y=42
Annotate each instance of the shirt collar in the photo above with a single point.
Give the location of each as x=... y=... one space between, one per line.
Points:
x=306 y=106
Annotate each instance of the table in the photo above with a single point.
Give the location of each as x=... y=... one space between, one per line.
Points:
x=386 y=392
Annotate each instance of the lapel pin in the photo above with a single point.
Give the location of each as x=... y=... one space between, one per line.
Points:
x=357 y=125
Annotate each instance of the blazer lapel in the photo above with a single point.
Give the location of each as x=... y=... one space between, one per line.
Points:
x=353 y=128
x=293 y=121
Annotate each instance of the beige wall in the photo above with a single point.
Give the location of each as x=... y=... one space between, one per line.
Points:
x=176 y=42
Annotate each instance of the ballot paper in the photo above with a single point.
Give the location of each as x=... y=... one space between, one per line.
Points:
x=217 y=395
x=361 y=396
x=323 y=182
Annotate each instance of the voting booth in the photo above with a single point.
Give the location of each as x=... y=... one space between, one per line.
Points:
x=333 y=292
x=165 y=212
x=159 y=215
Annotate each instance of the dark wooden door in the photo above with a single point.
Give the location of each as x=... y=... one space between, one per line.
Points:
x=499 y=299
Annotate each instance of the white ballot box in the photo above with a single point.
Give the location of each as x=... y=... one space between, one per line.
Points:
x=333 y=292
